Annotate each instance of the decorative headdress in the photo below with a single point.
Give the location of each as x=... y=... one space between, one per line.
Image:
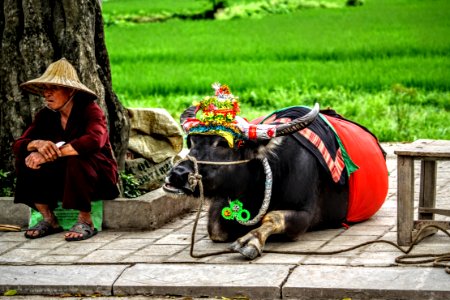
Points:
x=218 y=115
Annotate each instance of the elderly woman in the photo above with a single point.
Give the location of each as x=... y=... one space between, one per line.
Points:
x=65 y=155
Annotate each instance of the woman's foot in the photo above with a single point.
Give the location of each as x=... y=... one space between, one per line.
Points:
x=47 y=226
x=80 y=231
x=83 y=229
x=41 y=229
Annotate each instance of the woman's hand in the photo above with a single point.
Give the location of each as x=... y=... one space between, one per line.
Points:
x=47 y=149
x=34 y=160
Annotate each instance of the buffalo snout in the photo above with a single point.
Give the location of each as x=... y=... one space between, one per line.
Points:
x=177 y=181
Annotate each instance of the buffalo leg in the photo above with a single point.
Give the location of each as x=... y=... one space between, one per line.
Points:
x=292 y=223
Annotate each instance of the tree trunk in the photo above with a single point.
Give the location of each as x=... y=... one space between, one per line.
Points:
x=35 y=33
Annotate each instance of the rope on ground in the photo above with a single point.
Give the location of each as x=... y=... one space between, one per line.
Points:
x=437 y=260
x=11 y=228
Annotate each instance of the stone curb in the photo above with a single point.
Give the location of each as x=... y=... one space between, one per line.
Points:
x=229 y=280
x=340 y=282
x=147 y=212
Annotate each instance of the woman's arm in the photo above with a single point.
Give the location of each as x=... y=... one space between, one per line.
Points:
x=68 y=150
x=48 y=149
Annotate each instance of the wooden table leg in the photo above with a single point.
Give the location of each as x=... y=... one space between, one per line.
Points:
x=405 y=199
x=427 y=195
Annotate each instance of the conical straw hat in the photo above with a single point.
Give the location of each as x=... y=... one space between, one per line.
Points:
x=60 y=73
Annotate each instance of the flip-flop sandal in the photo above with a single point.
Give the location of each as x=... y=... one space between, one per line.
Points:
x=43 y=228
x=81 y=228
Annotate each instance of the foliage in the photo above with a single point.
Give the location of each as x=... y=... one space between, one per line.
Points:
x=130 y=185
x=354 y=2
x=261 y=8
x=7 y=183
x=401 y=100
x=10 y=293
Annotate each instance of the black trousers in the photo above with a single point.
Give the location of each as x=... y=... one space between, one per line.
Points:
x=74 y=180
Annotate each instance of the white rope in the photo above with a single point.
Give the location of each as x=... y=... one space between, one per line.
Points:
x=267 y=195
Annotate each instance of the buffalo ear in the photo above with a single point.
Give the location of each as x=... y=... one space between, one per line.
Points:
x=188 y=142
x=190 y=112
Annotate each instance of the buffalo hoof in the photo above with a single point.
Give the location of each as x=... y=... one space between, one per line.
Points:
x=248 y=250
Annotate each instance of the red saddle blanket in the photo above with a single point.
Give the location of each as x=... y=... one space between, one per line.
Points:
x=368 y=184
x=335 y=141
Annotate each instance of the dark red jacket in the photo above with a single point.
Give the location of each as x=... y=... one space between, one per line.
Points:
x=86 y=131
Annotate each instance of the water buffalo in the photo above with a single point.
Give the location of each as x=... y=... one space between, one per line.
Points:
x=268 y=184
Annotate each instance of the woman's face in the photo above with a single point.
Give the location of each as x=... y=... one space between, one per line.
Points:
x=56 y=96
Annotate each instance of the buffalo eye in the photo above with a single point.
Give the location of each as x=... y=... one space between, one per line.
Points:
x=221 y=143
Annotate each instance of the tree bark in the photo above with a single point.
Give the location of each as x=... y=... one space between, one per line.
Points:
x=35 y=33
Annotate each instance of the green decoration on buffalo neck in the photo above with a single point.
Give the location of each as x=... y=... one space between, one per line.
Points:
x=236 y=211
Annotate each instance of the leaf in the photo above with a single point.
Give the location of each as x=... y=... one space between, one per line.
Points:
x=10 y=293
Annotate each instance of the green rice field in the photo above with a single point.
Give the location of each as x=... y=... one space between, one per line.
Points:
x=384 y=64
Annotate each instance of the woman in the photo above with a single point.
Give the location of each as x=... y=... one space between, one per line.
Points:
x=65 y=155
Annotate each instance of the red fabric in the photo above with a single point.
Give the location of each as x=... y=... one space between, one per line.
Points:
x=369 y=184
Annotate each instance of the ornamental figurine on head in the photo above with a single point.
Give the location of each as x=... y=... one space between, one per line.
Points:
x=218 y=115
x=219 y=109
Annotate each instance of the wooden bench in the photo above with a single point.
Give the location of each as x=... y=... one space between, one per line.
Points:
x=428 y=152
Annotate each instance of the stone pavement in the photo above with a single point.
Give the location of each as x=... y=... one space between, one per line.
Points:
x=118 y=263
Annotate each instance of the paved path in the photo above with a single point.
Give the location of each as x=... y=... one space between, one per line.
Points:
x=157 y=262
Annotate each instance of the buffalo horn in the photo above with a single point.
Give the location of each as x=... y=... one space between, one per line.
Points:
x=188 y=113
x=299 y=123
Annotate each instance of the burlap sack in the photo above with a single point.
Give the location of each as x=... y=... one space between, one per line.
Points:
x=154 y=135
x=148 y=175
x=155 y=139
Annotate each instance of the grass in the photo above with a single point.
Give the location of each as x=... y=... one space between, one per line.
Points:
x=348 y=58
